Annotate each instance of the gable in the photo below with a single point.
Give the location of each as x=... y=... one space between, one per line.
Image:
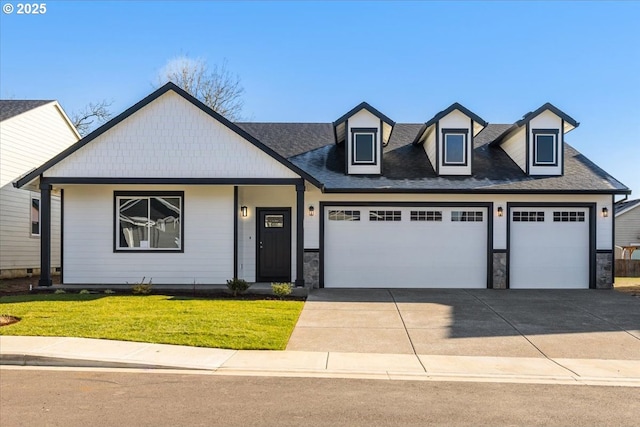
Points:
x=170 y=137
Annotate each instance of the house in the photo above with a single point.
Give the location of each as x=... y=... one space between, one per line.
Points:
x=627 y=229
x=31 y=132
x=171 y=190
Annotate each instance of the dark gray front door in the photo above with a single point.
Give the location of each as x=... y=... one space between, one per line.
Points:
x=273 y=245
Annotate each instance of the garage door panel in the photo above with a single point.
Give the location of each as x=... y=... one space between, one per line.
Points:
x=405 y=253
x=550 y=250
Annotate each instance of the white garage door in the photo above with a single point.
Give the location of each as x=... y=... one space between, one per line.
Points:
x=405 y=247
x=549 y=248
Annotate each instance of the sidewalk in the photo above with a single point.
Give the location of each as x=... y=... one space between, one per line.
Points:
x=83 y=352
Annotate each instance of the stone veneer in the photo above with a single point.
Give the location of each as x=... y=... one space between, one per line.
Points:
x=311 y=268
x=499 y=270
x=604 y=270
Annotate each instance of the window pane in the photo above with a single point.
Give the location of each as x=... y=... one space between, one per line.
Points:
x=35 y=217
x=363 y=148
x=134 y=216
x=545 y=148
x=273 y=221
x=454 y=148
x=164 y=222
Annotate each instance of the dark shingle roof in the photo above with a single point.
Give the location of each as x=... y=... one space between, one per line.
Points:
x=621 y=206
x=291 y=139
x=12 y=107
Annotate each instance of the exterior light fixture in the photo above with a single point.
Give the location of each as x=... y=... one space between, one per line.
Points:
x=605 y=212
x=500 y=211
x=244 y=211
x=312 y=210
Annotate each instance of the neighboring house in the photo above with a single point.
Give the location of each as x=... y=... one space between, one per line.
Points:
x=171 y=190
x=628 y=229
x=31 y=132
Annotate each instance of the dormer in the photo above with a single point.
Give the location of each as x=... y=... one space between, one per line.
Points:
x=536 y=143
x=364 y=131
x=448 y=140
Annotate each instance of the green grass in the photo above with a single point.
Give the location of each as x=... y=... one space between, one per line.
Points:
x=234 y=324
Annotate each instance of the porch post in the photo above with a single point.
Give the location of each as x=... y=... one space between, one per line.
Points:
x=300 y=235
x=45 y=235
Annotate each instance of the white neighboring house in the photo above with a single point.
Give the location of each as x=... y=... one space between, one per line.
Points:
x=31 y=131
x=173 y=191
x=628 y=229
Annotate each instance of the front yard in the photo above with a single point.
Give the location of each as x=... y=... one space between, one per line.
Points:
x=221 y=323
x=628 y=285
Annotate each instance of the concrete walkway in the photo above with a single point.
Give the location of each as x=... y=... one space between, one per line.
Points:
x=82 y=352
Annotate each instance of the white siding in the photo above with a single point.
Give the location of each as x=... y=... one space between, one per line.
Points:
x=515 y=147
x=455 y=120
x=170 y=138
x=262 y=197
x=545 y=120
x=430 y=146
x=89 y=236
x=28 y=140
x=363 y=119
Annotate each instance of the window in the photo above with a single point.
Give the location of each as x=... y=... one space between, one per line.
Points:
x=364 y=147
x=385 y=216
x=467 y=216
x=151 y=222
x=568 y=216
x=35 y=216
x=525 y=216
x=545 y=147
x=455 y=146
x=426 y=215
x=335 y=215
x=273 y=221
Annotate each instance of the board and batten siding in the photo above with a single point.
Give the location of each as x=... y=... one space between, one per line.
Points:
x=89 y=239
x=628 y=228
x=28 y=140
x=170 y=138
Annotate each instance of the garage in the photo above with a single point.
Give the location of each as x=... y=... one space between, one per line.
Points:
x=421 y=246
x=549 y=247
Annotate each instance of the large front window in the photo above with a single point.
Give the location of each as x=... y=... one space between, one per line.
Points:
x=149 y=221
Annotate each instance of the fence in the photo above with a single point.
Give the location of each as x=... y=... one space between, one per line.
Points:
x=628 y=267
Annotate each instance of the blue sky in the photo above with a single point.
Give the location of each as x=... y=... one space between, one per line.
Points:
x=313 y=61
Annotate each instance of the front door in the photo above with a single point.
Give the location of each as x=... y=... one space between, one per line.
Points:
x=273 y=245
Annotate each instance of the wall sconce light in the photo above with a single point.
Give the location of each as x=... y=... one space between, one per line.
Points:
x=244 y=211
x=500 y=211
x=312 y=210
x=605 y=212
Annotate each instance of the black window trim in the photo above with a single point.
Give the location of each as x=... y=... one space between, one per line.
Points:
x=364 y=131
x=546 y=132
x=465 y=146
x=31 y=233
x=142 y=193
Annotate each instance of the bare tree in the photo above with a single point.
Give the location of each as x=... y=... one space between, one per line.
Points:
x=97 y=112
x=215 y=86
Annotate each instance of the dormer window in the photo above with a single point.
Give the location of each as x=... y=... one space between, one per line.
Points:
x=545 y=147
x=455 y=146
x=364 y=146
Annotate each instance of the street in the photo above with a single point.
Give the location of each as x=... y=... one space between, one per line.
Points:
x=67 y=397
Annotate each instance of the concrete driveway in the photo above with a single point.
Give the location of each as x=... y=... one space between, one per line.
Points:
x=589 y=324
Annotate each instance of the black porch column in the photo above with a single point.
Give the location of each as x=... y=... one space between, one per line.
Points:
x=300 y=234
x=45 y=235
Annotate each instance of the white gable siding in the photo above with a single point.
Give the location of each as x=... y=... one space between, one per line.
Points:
x=545 y=120
x=455 y=120
x=430 y=146
x=363 y=119
x=89 y=236
x=515 y=147
x=170 y=138
x=27 y=141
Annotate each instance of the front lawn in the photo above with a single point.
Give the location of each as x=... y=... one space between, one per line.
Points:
x=234 y=324
x=628 y=285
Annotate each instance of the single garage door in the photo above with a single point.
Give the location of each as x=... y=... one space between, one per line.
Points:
x=549 y=248
x=405 y=247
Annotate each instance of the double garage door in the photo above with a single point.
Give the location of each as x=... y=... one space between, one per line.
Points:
x=448 y=247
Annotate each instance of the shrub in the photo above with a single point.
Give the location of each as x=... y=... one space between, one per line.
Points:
x=142 y=288
x=59 y=291
x=237 y=286
x=109 y=291
x=84 y=292
x=281 y=290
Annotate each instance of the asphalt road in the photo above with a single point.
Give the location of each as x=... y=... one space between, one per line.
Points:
x=39 y=397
